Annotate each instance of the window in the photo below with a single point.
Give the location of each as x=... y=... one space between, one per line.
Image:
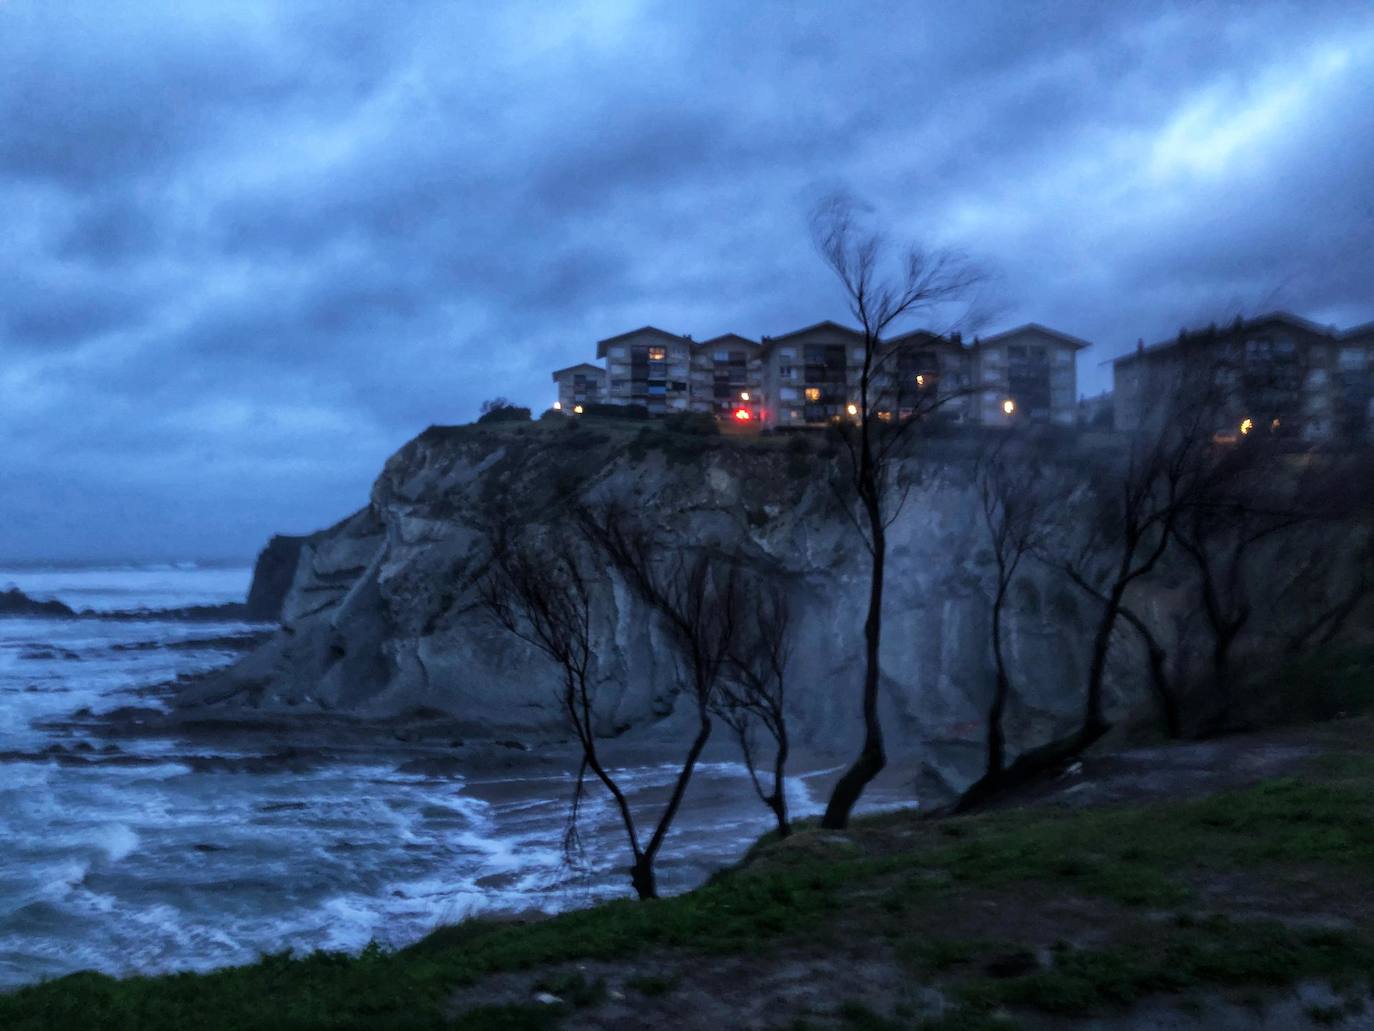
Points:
x=813 y=393
x=721 y=356
x=1352 y=359
x=658 y=354
x=787 y=353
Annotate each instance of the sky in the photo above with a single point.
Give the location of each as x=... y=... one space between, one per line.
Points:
x=248 y=249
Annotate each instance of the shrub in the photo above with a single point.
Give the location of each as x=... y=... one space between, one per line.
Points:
x=498 y=409
x=604 y=411
x=696 y=424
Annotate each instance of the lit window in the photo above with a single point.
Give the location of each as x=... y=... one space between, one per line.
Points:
x=744 y=395
x=577 y=409
x=558 y=406
x=813 y=393
x=658 y=354
x=852 y=409
x=1009 y=406
x=1246 y=425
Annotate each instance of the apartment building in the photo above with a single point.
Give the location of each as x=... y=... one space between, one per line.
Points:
x=1353 y=385
x=809 y=375
x=649 y=367
x=726 y=378
x=1027 y=374
x=923 y=373
x=1278 y=374
x=579 y=385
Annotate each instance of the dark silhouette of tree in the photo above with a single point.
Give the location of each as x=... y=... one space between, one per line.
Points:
x=499 y=409
x=1009 y=483
x=923 y=281
x=753 y=692
x=541 y=594
x=697 y=600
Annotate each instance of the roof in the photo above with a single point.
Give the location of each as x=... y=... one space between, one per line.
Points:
x=578 y=368
x=732 y=338
x=925 y=336
x=1357 y=332
x=827 y=324
x=1076 y=343
x=641 y=331
x=1287 y=318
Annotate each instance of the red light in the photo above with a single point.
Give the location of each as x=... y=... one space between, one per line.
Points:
x=742 y=414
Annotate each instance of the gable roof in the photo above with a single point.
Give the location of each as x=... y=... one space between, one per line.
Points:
x=654 y=331
x=733 y=338
x=1076 y=343
x=578 y=368
x=1364 y=332
x=924 y=336
x=1284 y=317
x=827 y=324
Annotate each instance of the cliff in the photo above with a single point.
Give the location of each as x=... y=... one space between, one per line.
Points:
x=379 y=617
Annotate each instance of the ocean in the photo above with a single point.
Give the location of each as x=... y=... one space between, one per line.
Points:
x=139 y=854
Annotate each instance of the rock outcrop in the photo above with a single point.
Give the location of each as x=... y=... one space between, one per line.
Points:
x=380 y=617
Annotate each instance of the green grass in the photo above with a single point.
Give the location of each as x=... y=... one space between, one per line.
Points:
x=1177 y=957
x=895 y=879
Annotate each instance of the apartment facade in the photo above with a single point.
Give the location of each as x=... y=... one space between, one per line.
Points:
x=727 y=378
x=811 y=376
x=649 y=367
x=579 y=385
x=1278 y=374
x=1028 y=374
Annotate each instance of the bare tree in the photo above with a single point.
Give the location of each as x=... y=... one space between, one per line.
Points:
x=753 y=692
x=1009 y=483
x=922 y=282
x=697 y=599
x=540 y=593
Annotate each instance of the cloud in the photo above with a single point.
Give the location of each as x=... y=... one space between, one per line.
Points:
x=251 y=248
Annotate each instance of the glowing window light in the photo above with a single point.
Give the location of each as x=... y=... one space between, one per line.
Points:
x=558 y=406
x=852 y=409
x=577 y=409
x=1274 y=425
x=1009 y=406
x=744 y=395
x=1246 y=425
x=920 y=380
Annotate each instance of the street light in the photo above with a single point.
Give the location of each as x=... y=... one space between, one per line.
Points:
x=1009 y=406
x=852 y=409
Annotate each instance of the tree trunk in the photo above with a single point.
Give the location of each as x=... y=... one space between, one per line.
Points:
x=872 y=758
x=1094 y=724
x=643 y=878
x=778 y=803
x=997 y=747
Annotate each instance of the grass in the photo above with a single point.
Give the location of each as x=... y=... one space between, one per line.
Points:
x=895 y=880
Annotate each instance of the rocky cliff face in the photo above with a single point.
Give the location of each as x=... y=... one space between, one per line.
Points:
x=379 y=617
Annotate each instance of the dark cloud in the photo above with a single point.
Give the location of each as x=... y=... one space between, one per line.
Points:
x=250 y=248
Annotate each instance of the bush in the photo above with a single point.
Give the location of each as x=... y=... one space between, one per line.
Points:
x=696 y=424
x=498 y=409
x=550 y=414
x=603 y=411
